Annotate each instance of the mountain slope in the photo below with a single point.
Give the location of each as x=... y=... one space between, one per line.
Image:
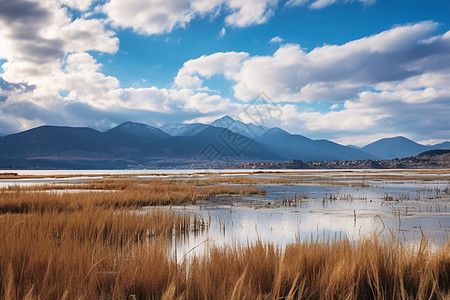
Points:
x=139 y=130
x=135 y=145
x=247 y=129
x=183 y=129
x=55 y=147
x=128 y=145
x=47 y=139
x=444 y=145
x=396 y=147
x=293 y=146
x=233 y=144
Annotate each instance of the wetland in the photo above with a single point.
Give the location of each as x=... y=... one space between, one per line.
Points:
x=156 y=234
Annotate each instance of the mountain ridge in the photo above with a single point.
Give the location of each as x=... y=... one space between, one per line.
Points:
x=395 y=147
x=78 y=147
x=175 y=129
x=138 y=145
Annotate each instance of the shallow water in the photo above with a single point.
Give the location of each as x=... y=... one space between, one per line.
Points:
x=406 y=209
x=232 y=224
x=329 y=204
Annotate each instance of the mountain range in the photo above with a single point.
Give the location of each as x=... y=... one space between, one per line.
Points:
x=222 y=143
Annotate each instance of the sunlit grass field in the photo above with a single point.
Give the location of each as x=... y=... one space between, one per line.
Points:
x=92 y=240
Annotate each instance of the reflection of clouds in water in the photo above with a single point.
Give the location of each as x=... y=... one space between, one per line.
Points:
x=340 y=223
x=285 y=225
x=281 y=227
x=312 y=218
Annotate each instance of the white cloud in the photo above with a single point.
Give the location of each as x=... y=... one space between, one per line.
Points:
x=85 y=35
x=150 y=17
x=297 y=2
x=276 y=40
x=41 y=45
x=278 y=75
x=338 y=72
x=222 y=33
x=156 y=17
x=388 y=83
x=41 y=35
x=319 y=4
x=384 y=81
x=374 y=115
x=226 y=63
x=431 y=141
x=45 y=53
x=249 y=12
x=206 y=103
x=82 y=77
x=149 y=99
x=49 y=78
x=81 y=5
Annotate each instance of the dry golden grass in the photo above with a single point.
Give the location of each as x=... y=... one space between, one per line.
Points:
x=26 y=202
x=283 y=180
x=335 y=270
x=99 y=254
x=109 y=193
x=90 y=254
x=61 y=176
x=352 y=180
x=229 y=190
x=96 y=245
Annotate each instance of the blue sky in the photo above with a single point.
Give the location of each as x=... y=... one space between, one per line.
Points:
x=349 y=71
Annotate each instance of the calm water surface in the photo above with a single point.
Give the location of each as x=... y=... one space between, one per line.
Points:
x=354 y=208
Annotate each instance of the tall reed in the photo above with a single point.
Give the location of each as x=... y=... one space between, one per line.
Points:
x=99 y=245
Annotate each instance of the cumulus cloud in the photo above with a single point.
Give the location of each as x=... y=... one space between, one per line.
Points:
x=225 y=63
x=319 y=4
x=43 y=49
x=334 y=106
x=48 y=76
x=85 y=35
x=207 y=103
x=222 y=32
x=392 y=79
x=414 y=112
x=81 y=5
x=249 y=12
x=339 y=72
x=276 y=40
x=385 y=83
x=156 y=17
x=36 y=35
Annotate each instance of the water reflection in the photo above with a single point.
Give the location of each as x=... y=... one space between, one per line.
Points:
x=322 y=212
x=325 y=205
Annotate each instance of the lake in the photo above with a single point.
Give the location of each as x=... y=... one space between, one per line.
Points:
x=301 y=205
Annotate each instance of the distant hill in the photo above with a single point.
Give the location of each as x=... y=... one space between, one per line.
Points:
x=432 y=159
x=293 y=146
x=396 y=147
x=129 y=145
x=223 y=143
x=184 y=129
x=142 y=131
x=444 y=145
x=354 y=147
x=434 y=152
x=247 y=129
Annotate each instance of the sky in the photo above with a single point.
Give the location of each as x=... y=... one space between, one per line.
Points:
x=351 y=71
